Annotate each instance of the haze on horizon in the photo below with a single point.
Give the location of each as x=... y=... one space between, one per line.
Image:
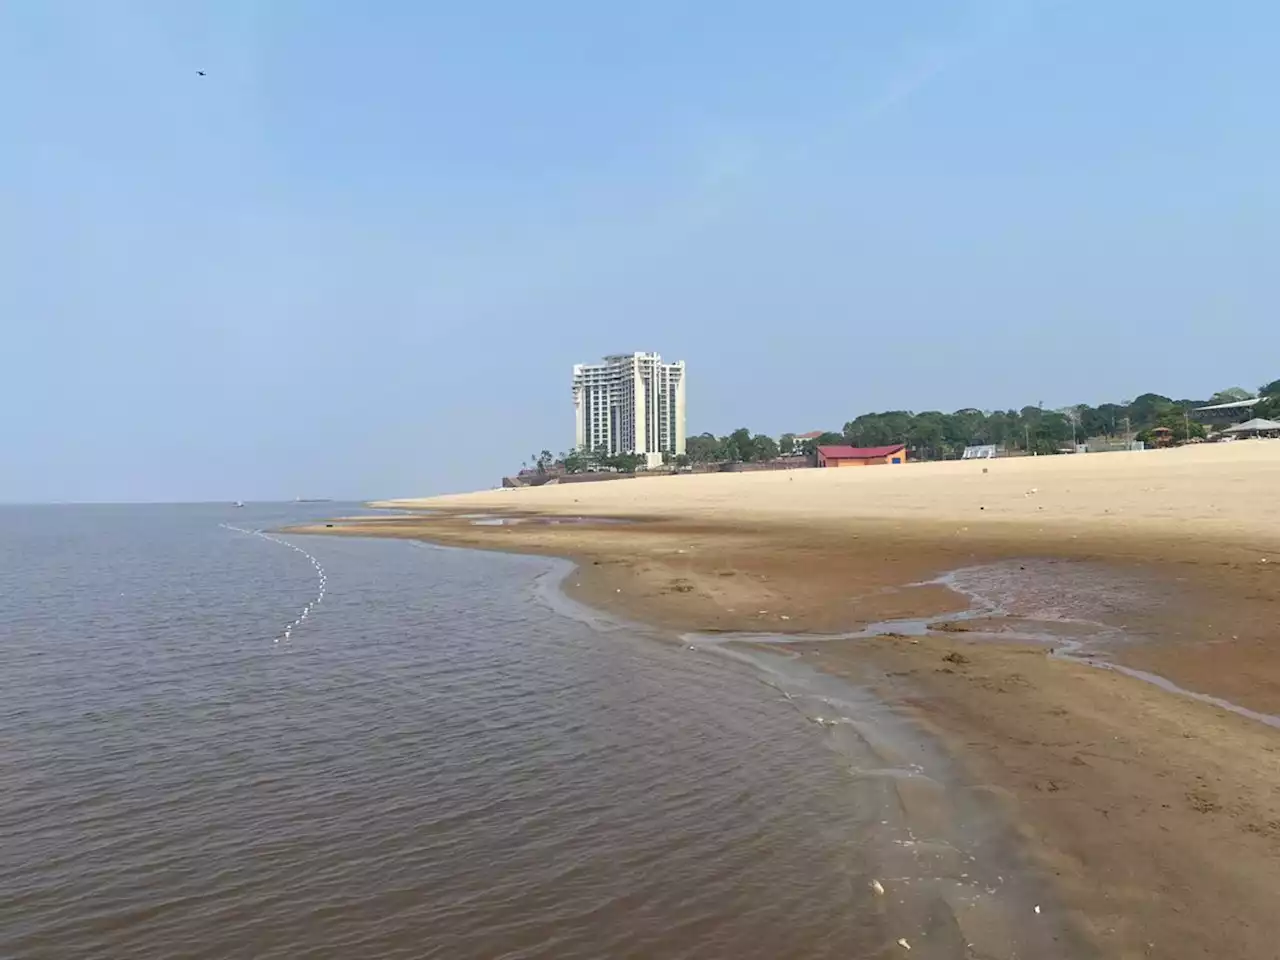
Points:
x=359 y=256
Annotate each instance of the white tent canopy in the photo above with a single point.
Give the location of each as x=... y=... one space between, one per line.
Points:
x=1256 y=425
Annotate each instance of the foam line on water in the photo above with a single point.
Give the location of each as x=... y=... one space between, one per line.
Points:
x=320 y=575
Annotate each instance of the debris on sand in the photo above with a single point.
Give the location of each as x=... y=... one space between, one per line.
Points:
x=957 y=658
x=895 y=635
x=902 y=942
x=878 y=887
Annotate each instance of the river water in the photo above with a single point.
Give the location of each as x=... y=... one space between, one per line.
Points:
x=218 y=742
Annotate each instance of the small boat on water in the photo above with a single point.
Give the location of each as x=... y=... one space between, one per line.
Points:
x=238 y=503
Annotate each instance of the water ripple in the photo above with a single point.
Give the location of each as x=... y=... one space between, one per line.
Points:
x=444 y=769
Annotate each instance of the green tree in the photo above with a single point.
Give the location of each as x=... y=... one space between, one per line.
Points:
x=965 y=428
x=1073 y=416
x=1055 y=427
x=1145 y=410
x=825 y=440
x=862 y=431
x=1178 y=423
x=1188 y=430
x=879 y=429
x=1105 y=420
x=627 y=462
x=577 y=461
x=925 y=435
x=1004 y=428
x=1268 y=406
x=1231 y=395
x=763 y=448
x=787 y=443
x=738 y=445
x=704 y=448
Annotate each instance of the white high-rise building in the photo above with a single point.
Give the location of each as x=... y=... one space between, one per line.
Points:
x=630 y=403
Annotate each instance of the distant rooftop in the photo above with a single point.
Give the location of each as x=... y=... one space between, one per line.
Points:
x=1233 y=405
x=1254 y=426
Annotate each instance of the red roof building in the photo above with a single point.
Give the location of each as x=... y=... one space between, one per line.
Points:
x=835 y=456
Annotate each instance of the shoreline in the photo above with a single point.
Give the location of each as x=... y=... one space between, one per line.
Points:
x=1157 y=815
x=1207 y=600
x=957 y=879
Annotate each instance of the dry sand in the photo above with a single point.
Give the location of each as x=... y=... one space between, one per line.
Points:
x=1159 y=814
x=1218 y=488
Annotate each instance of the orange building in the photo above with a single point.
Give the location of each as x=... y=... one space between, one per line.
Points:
x=861 y=456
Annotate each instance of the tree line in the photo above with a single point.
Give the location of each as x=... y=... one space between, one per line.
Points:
x=741 y=446
x=584 y=461
x=934 y=435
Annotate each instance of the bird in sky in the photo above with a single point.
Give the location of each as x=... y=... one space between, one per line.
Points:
x=201 y=73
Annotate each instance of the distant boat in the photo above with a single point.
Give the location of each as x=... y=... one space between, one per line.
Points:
x=312 y=500
x=238 y=503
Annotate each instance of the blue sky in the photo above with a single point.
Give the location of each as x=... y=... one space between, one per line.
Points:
x=361 y=255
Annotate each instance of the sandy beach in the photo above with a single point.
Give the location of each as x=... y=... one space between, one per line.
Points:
x=1157 y=813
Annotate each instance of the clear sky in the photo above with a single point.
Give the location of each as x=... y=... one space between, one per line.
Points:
x=361 y=255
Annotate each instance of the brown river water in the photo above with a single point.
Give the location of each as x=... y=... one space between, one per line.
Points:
x=219 y=743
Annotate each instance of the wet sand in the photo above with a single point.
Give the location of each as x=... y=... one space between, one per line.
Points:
x=1158 y=814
